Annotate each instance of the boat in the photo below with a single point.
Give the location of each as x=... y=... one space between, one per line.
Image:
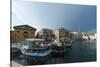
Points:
x=58 y=48
x=68 y=43
x=34 y=51
x=57 y=51
x=38 y=54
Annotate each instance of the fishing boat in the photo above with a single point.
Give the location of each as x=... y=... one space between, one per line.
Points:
x=67 y=42
x=58 y=48
x=35 y=50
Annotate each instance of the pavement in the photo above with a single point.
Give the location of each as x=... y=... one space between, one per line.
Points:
x=14 y=64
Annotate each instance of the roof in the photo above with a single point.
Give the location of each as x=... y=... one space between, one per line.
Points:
x=24 y=27
x=62 y=28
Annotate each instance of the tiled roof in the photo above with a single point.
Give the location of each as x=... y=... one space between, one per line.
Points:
x=23 y=27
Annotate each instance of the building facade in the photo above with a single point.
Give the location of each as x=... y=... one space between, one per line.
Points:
x=12 y=39
x=23 y=32
x=62 y=33
x=76 y=35
x=45 y=34
x=92 y=36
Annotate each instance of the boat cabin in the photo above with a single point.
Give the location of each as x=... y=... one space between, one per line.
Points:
x=35 y=43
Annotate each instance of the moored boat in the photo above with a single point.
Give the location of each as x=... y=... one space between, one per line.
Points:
x=35 y=51
x=38 y=54
x=58 y=48
x=68 y=43
x=57 y=51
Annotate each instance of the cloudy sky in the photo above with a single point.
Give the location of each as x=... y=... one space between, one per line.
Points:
x=54 y=15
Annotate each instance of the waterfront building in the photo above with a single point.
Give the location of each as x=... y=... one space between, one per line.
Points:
x=85 y=36
x=22 y=32
x=88 y=35
x=45 y=34
x=77 y=35
x=95 y=36
x=62 y=33
x=12 y=36
x=92 y=36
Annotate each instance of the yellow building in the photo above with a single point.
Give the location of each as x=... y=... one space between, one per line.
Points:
x=11 y=36
x=61 y=33
x=22 y=32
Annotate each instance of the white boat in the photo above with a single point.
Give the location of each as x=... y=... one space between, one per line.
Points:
x=68 y=43
x=39 y=52
x=33 y=49
x=58 y=48
x=65 y=41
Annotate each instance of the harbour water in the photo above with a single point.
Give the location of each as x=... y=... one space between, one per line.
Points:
x=81 y=51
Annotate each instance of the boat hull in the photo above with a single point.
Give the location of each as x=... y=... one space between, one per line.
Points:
x=57 y=51
x=37 y=59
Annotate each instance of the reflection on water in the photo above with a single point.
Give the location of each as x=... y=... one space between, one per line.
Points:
x=81 y=51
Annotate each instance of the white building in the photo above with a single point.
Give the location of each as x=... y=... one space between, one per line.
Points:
x=45 y=33
x=92 y=36
x=95 y=36
x=77 y=35
x=85 y=36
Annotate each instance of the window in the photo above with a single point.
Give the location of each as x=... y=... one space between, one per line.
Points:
x=25 y=36
x=25 y=32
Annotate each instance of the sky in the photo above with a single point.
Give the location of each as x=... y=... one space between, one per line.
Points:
x=54 y=15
